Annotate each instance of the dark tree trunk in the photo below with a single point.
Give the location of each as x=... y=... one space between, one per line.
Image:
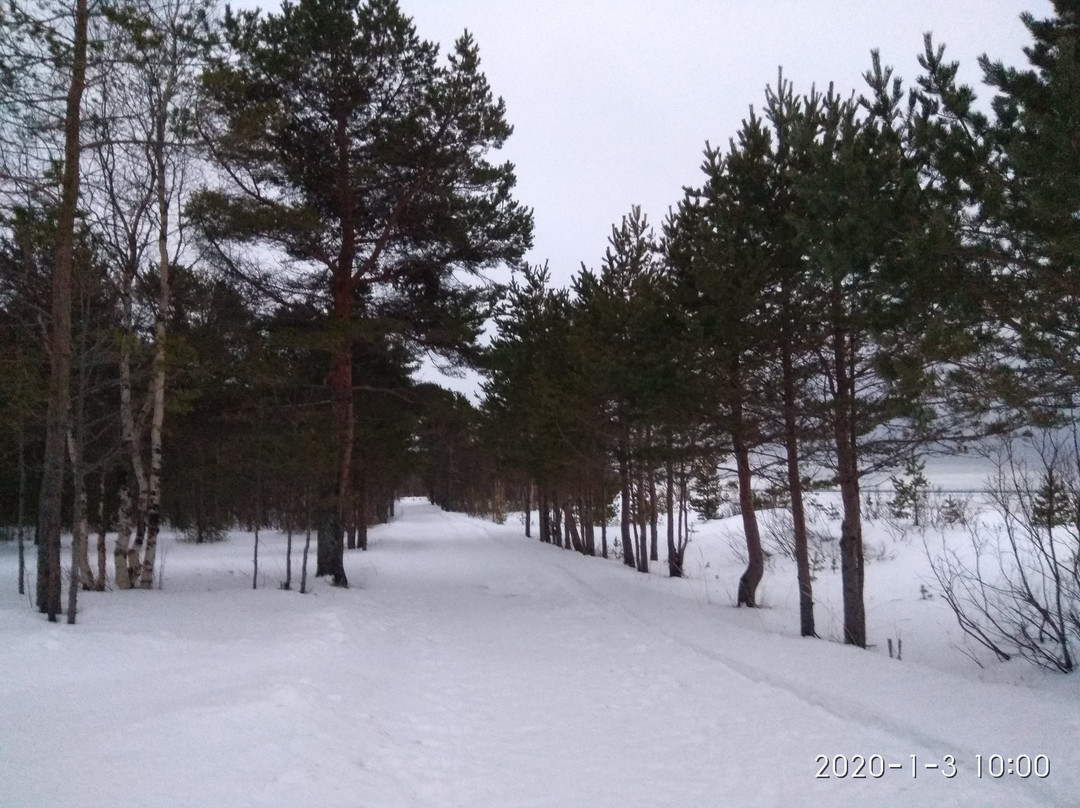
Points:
x=673 y=559
x=755 y=567
x=123 y=528
x=573 y=537
x=56 y=416
x=654 y=515
x=847 y=467
x=624 y=508
x=588 y=533
x=255 y=560
x=603 y=516
x=683 y=531
x=332 y=556
x=641 y=523
x=851 y=534
x=324 y=541
x=542 y=516
x=528 y=511
x=795 y=487
x=288 y=550
x=303 y=560
x=102 y=529
x=21 y=528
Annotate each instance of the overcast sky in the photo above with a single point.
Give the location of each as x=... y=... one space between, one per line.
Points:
x=612 y=100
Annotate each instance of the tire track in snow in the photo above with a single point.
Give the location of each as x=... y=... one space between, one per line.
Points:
x=845 y=711
x=512 y=566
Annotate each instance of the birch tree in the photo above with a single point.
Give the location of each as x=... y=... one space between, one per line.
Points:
x=145 y=157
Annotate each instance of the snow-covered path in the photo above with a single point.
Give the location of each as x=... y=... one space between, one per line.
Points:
x=469 y=666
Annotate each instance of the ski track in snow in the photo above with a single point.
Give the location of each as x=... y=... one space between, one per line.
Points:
x=469 y=666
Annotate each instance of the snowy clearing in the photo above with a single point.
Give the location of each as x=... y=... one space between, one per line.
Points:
x=470 y=666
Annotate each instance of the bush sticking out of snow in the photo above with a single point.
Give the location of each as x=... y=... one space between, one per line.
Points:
x=1015 y=587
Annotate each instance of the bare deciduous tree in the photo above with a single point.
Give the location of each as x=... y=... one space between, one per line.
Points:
x=1015 y=589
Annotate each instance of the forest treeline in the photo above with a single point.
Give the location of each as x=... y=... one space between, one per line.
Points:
x=227 y=243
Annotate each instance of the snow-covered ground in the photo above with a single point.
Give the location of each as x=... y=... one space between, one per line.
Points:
x=470 y=666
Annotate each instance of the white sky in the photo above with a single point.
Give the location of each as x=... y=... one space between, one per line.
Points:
x=612 y=100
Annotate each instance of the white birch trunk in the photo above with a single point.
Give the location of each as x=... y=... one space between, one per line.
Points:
x=153 y=505
x=130 y=439
x=164 y=92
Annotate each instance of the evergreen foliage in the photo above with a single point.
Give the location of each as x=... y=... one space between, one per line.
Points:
x=361 y=160
x=909 y=498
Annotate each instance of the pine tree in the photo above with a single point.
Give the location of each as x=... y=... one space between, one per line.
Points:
x=357 y=155
x=1033 y=207
x=1012 y=179
x=1053 y=504
x=881 y=248
x=909 y=499
x=723 y=257
x=618 y=329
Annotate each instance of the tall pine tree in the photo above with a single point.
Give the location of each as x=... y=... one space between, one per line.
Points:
x=362 y=160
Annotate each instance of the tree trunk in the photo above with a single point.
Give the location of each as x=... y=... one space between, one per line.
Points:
x=307 y=544
x=340 y=379
x=642 y=521
x=126 y=554
x=134 y=558
x=795 y=488
x=624 y=508
x=674 y=562
x=542 y=515
x=362 y=522
x=361 y=508
x=56 y=416
x=123 y=533
x=21 y=527
x=80 y=526
x=288 y=550
x=324 y=540
x=603 y=516
x=572 y=534
x=157 y=419
x=103 y=527
x=255 y=560
x=528 y=511
x=847 y=466
x=755 y=567
x=682 y=536
x=130 y=439
x=588 y=529
x=78 y=545
x=654 y=515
